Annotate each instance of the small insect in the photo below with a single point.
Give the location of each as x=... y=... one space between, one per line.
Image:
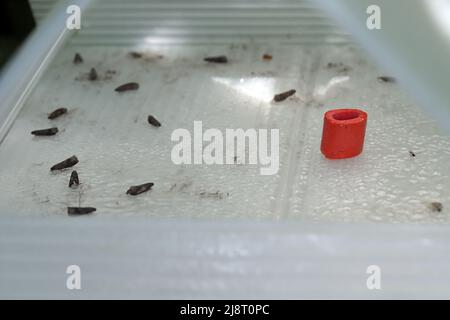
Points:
x=77 y=211
x=77 y=59
x=412 y=154
x=127 y=87
x=70 y=162
x=283 y=96
x=135 y=54
x=153 y=121
x=58 y=112
x=74 y=181
x=436 y=206
x=135 y=190
x=45 y=132
x=93 y=74
x=267 y=57
x=386 y=79
x=217 y=59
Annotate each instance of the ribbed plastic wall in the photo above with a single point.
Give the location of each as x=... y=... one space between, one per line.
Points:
x=174 y=21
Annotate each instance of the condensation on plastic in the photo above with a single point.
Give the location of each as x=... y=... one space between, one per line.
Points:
x=117 y=148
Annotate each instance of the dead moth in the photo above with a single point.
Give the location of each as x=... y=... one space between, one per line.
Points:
x=57 y=113
x=386 y=79
x=77 y=59
x=135 y=54
x=77 y=211
x=284 y=95
x=93 y=74
x=45 y=132
x=153 y=121
x=74 y=181
x=127 y=87
x=70 y=162
x=216 y=59
x=135 y=190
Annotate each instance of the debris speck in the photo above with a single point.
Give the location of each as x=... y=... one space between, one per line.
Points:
x=436 y=206
x=77 y=211
x=145 y=56
x=45 y=132
x=283 y=96
x=267 y=57
x=127 y=87
x=70 y=162
x=338 y=66
x=74 y=182
x=412 y=154
x=216 y=59
x=109 y=74
x=135 y=190
x=153 y=121
x=58 y=112
x=214 y=195
x=77 y=59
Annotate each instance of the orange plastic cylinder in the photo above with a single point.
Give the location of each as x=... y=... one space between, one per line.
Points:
x=343 y=133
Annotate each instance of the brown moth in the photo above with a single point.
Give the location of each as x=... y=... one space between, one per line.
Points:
x=45 y=132
x=74 y=181
x=77 y=59
x=70 y=162
x=153 y=121
x=135 y=190
x=284 y=95
x=216 y=59
x=77 y=211
x=57 y=113
x=127 y=87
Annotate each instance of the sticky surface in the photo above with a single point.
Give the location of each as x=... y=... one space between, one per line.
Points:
x=117 y=148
